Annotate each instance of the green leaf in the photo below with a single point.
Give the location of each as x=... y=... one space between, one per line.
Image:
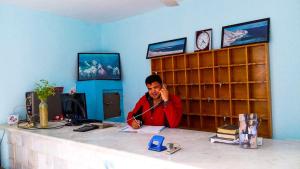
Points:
x=44 y=89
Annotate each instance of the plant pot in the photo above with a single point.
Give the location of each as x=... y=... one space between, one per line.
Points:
x=43 y=108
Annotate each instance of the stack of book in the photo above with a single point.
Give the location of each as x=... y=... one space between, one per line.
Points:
x=228 y=134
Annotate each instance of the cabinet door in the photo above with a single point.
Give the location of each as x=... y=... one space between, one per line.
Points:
x=111 y=105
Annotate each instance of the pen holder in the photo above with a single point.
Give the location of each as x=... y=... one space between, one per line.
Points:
x=248 y=128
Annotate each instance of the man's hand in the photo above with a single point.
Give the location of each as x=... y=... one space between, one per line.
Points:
x=164 y=93
x=136 y=124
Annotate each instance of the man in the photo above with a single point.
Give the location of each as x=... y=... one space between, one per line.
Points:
x=157 y=107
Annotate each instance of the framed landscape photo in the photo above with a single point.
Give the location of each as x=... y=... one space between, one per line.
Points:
x=99 y=66
x=164 y=48
x=246 y=33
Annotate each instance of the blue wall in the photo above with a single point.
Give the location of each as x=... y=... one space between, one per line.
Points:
x=94 y=97
x=131 y=37
x=36 y=45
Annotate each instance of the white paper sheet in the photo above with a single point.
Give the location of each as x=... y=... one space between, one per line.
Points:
x=143 y=129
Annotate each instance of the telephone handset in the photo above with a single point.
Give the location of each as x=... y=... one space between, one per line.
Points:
x=164 y=94
x=164 y=86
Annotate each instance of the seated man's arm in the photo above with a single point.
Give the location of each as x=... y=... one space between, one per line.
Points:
x=173 y=111
x=135 y=122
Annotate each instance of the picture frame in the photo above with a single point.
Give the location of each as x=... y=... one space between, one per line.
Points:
x=203 y=40
x=256 y=31
x=170 y=47
x=98 y=66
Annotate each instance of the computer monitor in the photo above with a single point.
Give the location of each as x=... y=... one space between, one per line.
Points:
x=74 y=106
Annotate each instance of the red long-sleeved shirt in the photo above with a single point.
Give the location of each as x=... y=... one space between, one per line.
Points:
x=165 y=114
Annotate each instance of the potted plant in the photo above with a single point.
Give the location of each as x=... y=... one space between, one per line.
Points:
x=44 y=90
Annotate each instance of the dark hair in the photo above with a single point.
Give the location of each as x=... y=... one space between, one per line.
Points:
x=153 y=78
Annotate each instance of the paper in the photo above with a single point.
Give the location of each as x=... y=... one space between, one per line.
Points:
x=143 y=129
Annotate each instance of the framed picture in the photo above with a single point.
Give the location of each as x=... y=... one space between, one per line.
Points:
x=99 y=66
x=164 y=48
x=246 y=33
x=203 y=40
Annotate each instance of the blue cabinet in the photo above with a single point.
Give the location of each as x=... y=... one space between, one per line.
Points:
x=94 y=90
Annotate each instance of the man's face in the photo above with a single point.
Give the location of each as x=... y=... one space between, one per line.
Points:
x=154 y=90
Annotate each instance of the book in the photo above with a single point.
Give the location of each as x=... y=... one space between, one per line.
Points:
x=216 y=139
x=228 y=129
x=230 y=136
x=143 y=129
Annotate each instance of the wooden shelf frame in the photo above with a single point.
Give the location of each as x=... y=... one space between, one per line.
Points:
x=216 y=85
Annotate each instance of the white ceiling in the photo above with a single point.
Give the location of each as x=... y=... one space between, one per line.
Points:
x=99 y=11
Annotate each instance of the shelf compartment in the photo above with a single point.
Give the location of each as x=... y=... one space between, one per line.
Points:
x=179 y=77
x=192 y=77
x=208 y=123
x=168 y=77
x=222 y=122
x=258 y=91
x=260 y=108
x=168 y=63
x=181 y=91
x=207 y=91
x=221 y=57
x=184 y=121
x=256 y=54
x=239 y=107
x=205 y=59
x=206 y=75
x=238 y=74
x=235 y=121
x=192 y=61
x=195 y=122
x=207 y=107
x=179 y=62
x=184 y=107
x=223 y=108
x=222 y=91
x=257 y=73
x=221 y=75
x=171 y=89
x=194 y=107
x=193 y=91
x=158 y=73
x=239 y=91
x=156 y=65
x=238 y=55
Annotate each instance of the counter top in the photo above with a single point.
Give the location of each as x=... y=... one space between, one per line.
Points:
x=197 y=151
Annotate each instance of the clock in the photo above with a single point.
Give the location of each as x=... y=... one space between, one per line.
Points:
x=203 y=40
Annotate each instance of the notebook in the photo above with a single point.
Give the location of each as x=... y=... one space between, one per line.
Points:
x=143 y=129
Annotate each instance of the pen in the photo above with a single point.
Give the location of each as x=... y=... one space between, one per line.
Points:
x=136 y=121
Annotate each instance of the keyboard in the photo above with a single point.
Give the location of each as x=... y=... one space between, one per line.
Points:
x=86 y=127
x=78 y=122
x=89 y=121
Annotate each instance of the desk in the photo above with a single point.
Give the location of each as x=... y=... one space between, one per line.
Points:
x=111 y=149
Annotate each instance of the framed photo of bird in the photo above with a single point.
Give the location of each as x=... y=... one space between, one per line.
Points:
x=99 y=66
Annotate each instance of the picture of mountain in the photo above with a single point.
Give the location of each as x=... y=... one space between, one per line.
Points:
x=246 y=33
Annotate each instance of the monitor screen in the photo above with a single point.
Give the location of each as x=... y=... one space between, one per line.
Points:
x=74 y=106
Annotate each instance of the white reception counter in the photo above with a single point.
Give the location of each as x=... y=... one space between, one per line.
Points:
x=110 y=149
